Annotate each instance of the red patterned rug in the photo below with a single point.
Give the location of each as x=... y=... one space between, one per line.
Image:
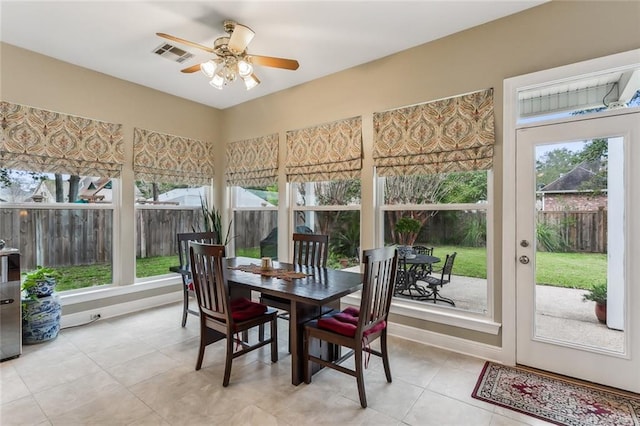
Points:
x=555 y=399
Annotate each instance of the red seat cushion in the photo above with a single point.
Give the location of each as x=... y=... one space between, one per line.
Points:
x=190 y=286
x=353 y=311
x=345 y=323
x=244 y=309
x=337 y=326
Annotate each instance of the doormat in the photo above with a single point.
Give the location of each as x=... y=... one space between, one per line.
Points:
x=555 y=399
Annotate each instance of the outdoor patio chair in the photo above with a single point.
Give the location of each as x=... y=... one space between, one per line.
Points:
x=221 y=317
x=425 y=269
x=435 y=283
x=308 y=250
x=184 y=268
x=358 y=328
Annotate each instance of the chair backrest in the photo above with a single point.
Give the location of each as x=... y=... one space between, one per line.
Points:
x=208 y=270
x=404 y=275
x=378 y=283
x=183 y=245
x=310 y=249
x=423 y=250
x=448 y=266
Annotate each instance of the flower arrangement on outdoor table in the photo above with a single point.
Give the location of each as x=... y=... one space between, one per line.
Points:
x=407 y=229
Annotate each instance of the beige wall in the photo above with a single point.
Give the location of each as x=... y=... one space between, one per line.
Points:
x=548 y=36
x=31 y=79
x=551 y=35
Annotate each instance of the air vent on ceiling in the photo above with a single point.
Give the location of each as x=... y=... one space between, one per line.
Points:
x=172 y=53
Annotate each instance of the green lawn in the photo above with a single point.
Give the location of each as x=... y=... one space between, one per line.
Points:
x=573 y=270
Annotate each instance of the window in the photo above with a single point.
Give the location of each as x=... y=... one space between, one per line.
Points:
x=255 y=221
x=59 y=180
x=61 y=221
x=162 y=211
x=173 y=176
x=452 y=211
x=331 y=208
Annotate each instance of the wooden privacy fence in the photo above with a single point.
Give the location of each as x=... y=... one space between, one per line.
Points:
x=58 y=237
x=253 y=226
x=65 y=237
x=581 y=231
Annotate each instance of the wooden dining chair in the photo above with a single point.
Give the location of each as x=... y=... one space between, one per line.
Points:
x=308 y=250
x=221 y=317
x=357 y=328
x=184 y=268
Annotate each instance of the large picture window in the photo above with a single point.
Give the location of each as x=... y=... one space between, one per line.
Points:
x=450 y=210
x=331 y=208
x=61 y=221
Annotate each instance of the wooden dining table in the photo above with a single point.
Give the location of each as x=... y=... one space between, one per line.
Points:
x=312 y=295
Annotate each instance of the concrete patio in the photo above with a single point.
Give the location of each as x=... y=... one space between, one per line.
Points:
x=561 y=313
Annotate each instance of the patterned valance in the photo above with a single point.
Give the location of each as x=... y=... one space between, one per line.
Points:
x=449 y=135
x=331 y=151
x=253 y=162
x=51 y=142
x=162 y=158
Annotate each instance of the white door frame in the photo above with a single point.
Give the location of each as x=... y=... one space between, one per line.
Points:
x=511 y=87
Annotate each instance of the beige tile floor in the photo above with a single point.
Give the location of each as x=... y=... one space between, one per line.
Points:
x=139 y=370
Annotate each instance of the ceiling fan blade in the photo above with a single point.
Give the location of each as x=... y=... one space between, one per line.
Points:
x=187 y=42
x=270 y=61
x=192 y=68
x=240 y=38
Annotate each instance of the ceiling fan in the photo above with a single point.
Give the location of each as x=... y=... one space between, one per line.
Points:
x=232 y=59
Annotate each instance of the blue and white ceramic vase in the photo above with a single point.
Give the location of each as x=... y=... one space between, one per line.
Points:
x=41 y=319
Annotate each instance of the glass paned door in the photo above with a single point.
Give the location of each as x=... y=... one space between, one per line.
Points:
x=575 y=234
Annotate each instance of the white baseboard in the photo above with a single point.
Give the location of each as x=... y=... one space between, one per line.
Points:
x=110 y=311
x=451 y=343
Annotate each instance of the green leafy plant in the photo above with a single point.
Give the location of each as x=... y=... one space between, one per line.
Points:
x=407 y=229
x=598 y=294
x=213 y=223
x=41 y=273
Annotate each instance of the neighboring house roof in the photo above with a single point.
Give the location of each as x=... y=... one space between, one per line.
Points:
x=577 y=180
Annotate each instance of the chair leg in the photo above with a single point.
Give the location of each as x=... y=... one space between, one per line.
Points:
x=185 y=305
x=306 y=366
x=261 y=332
x=228 y=361
x=385 y=355
x=203 y=344
x=360 y=377
x=274 y=339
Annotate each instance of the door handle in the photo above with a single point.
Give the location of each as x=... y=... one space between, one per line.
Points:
x=6 y=301
x=524 y=260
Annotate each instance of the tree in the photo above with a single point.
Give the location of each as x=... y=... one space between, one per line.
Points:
x=553 y=164
x=59 y=188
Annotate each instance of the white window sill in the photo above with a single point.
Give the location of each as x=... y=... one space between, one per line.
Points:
x=95 y=293
x=422 y=311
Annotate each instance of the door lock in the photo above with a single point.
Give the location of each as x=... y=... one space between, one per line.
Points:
x=524 y=260
x=524 y=243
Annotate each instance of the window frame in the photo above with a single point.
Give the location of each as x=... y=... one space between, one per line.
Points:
x=443 y=315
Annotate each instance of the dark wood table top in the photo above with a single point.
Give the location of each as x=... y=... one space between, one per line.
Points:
x=319 y=287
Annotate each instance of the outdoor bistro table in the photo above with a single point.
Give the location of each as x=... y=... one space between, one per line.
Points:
x=411 y=272
x=319 y=291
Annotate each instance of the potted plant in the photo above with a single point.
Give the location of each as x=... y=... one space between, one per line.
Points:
x=40 y=282
x=598 y=294
x=407 y=229
x=41 y=309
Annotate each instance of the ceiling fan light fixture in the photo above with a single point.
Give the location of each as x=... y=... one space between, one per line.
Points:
x=217 y=81
x=245 y=69
x=208 y=68
x=251 y=81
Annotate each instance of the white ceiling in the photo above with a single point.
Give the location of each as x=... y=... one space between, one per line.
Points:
x=117 y=37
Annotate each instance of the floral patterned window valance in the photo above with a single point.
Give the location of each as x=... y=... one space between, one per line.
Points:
x=51 y=142
x=253 y=162
x=331 y=151
x=449 y=135
x=162 y=158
